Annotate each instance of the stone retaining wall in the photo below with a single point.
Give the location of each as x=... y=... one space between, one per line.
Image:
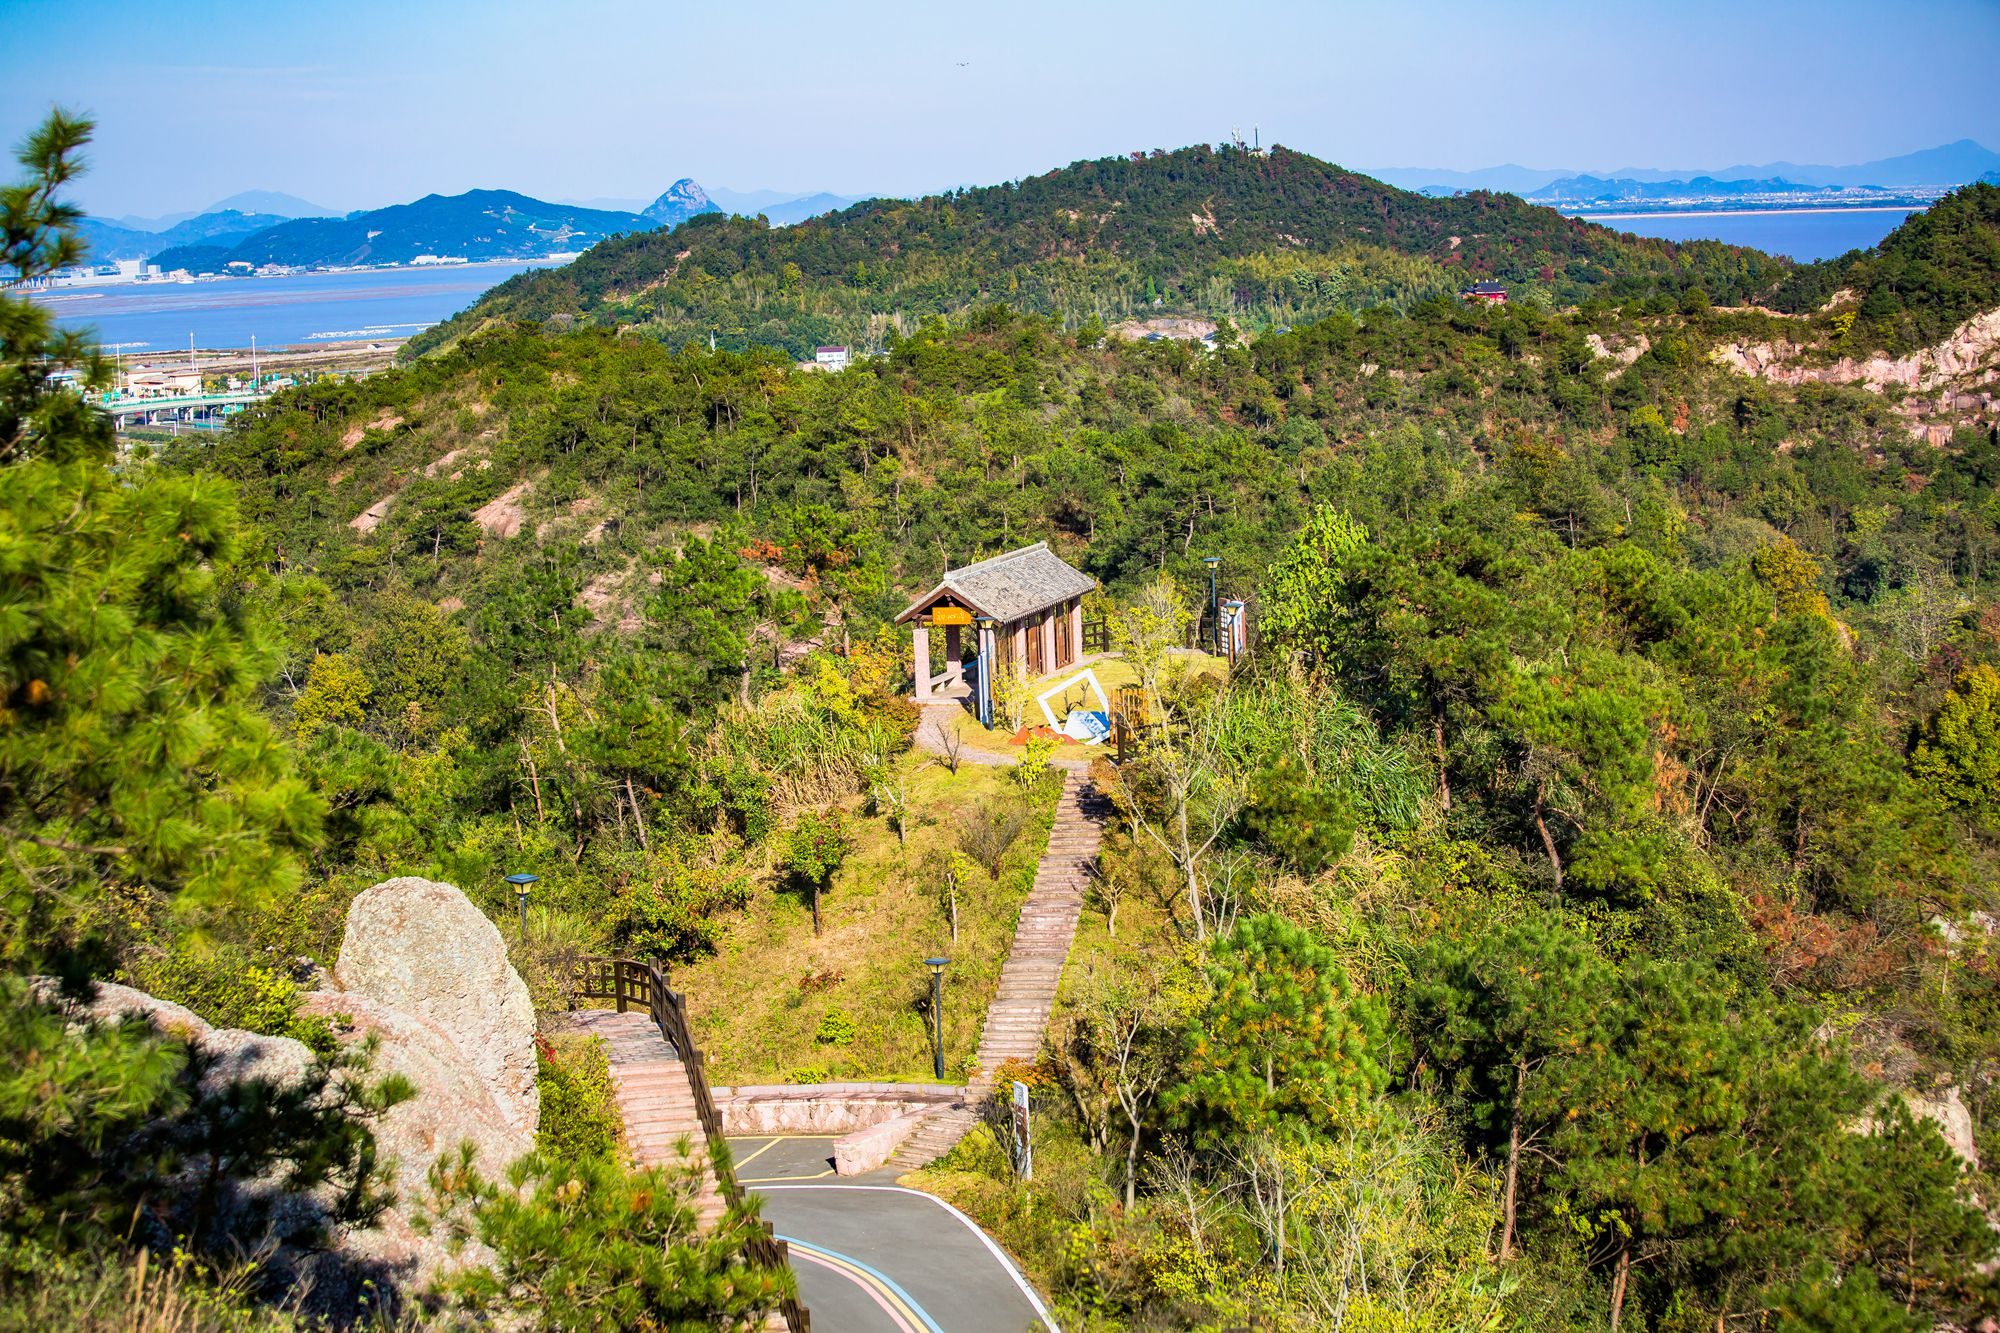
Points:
x=824 y=1108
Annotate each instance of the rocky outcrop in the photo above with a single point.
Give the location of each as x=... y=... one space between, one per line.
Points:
x=504 y=515
x=1625 y=353
x=1955 y=380
x=421 y=947
x=424 y=977
x=453 y=1104
x=1948 y=1111
x=233 y=1056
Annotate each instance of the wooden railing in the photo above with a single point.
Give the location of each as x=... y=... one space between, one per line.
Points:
x=633 y=983
x=1096 y=636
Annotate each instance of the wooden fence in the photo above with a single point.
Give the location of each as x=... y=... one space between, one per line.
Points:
x=632 y=983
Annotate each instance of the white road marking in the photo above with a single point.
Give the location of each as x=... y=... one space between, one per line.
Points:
x=999 y=1255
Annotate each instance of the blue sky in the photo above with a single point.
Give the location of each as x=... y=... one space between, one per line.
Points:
x=363 y=102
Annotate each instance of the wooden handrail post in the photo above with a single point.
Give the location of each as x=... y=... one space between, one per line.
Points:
x=630 y=981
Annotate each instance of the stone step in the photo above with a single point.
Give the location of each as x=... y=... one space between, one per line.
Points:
x=660 y=1099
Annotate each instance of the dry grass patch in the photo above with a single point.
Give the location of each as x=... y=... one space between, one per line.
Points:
x=779 y=1004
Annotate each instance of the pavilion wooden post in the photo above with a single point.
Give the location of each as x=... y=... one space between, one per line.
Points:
x=954 y=662
x=920 y=635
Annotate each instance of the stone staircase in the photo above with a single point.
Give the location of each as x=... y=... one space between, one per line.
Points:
x=1018 y=1018
x=662 y=1127
x=656 y=1087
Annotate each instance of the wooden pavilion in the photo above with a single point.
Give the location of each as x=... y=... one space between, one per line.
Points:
x=1031 y=603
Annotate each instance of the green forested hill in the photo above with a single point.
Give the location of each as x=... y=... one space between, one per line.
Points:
x=1928 y=276
x=1599 y=834
x=1632 y=678
x=1265 y=238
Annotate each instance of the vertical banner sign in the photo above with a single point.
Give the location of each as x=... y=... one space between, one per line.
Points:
x=1024 y=1153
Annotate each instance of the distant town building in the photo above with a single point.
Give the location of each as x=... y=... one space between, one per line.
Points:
x=1495 y=293
x=168 y=383
x=830 y=358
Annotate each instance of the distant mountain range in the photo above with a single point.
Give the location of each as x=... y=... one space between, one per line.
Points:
x=1946 y=165
x=1291 y=236
x=476 y=225
x=270 y=202
x=262 y=227
x=109 y=241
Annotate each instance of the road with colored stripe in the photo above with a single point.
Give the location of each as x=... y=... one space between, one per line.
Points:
x=871 y=1255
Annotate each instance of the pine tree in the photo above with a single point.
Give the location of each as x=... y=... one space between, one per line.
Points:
x=1285 y=1041
x=1505 y=1013
x=132 y=751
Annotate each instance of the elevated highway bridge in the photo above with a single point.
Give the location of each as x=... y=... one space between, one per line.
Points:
x=200 y=409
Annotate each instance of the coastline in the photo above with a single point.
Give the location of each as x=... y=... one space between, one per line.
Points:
x=98 y=283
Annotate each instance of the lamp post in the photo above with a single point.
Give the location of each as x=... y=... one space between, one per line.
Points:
x=1214 y=562
x=986 y=624
x=521 y=883
x=937 y=966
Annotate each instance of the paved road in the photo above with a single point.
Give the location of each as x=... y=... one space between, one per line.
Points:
x=876 y=1258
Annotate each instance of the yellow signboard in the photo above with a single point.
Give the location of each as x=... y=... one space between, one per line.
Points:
x=950 y=615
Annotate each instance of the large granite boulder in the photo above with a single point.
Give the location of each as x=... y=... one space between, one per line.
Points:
x=453 y=1104
x=423 y=948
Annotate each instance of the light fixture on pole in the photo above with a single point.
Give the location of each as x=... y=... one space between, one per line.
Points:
x=937 y=966
x=984 y=701
x=1214 y=562
x=521 y=883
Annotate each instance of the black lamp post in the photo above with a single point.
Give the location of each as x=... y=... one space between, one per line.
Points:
x=1214 y=562
x=986 y=625
x=937 y=966
x=521 y=883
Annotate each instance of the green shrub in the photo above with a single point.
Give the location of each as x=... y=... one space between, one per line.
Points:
x=836 y=1028
x=1034 y=774
x=580 y=1120
x=218 y=984
x=590 y=1245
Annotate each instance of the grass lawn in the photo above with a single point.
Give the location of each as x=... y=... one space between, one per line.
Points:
x=1112 y=672
x=759 y=1003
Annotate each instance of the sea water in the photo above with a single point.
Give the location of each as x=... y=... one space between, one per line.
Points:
x=303 y=309
x=1798 y=234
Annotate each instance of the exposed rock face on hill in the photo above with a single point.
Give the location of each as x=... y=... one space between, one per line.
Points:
x=421 y=947
x=237 y=1055
x=682 y=200
x=1955 y=381
x=1948 y=1111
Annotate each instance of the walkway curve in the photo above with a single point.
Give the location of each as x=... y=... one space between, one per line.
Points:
x=991 y=1315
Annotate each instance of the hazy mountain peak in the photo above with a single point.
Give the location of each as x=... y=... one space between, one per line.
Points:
x=272 y=202
x=682 y=200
